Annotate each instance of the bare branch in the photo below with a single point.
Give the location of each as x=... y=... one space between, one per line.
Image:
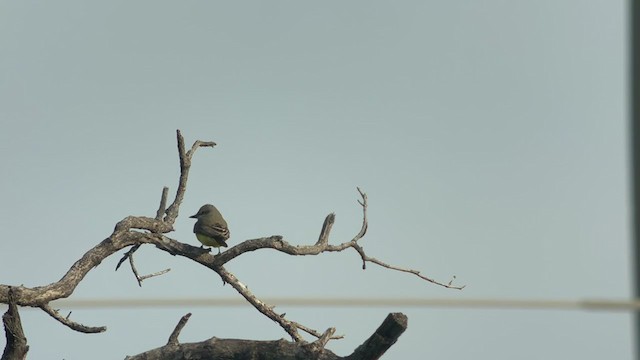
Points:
x=366 y=258
x=16 y=347
x=173 y=338
x=277 y=243
x=64 y=287
x=379 y=342
x=119 y=240
x=448 y=285
x=128 y=255
x=214 y=348
x=163 y=203
x=265 y=309
x=198 y=144
x=185 y=165
x=326 y=229
x=127 y=233
x=135 y=271
x=143 y=223
x=157 y=273
x=315 y=333
x=72 y=324
x=139 y=279
x=365 y=221
x=122 y=237
x=322 y=341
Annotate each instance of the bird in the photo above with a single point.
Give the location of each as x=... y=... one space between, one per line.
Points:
x=211 y=228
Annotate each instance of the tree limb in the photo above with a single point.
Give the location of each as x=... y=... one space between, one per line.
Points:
x=379 y=342
x=128 y=232
x=129 y=255
x=124 y=235
x=173 y=338
x=265 y=309
x=214 y=348
x=16 y=347
x=72 y=324
x=163 y=203
x=322 y=245
x=185 y=164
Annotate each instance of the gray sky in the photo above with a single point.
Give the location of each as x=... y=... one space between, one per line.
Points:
x=490 y=137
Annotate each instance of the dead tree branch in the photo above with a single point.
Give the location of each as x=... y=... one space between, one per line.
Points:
x=72 y=324
x=129 y=255
x=386 y=335
x=173 y=338
x=16 y=347
x=185 y=164
x=214 y=348
x=217 y=262
x=322 y=245
x=163 y=203
x=125 y=234
x=315 y=333
x=133 y=231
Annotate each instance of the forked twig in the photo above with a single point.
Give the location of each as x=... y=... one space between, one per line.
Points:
x=139 y=279
x=366 y=258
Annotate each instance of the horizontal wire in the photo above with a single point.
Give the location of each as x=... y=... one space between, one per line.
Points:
x=499 y=304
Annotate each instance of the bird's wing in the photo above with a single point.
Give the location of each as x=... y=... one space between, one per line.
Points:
x=215 y=231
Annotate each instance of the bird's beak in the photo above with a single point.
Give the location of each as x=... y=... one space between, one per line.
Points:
x=194 y=216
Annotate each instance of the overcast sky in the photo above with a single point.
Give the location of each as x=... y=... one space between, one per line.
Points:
x=490 y=136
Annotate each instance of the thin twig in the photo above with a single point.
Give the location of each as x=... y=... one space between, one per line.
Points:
x=128 y=254
x=157 y=273
x=139 y=278
x=198 y=144
x=449 y=285
x=135 y=271
x=313 y=332
x=365 y=221
x=365 y=258
x=72 y=324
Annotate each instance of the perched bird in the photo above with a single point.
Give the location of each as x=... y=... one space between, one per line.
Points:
x=211 y=229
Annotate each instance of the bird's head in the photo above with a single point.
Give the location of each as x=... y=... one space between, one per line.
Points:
x=204 y=210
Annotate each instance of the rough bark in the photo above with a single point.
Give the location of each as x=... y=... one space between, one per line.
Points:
x=16 y=347
x=234 y=349
x=386 y=335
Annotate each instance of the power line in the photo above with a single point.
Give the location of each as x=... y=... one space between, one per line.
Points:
x=498 y=304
